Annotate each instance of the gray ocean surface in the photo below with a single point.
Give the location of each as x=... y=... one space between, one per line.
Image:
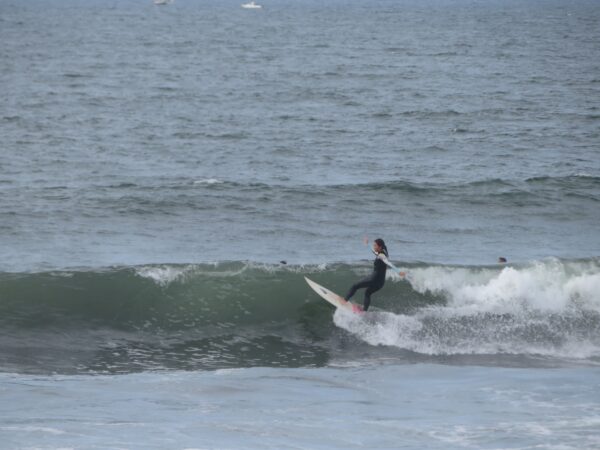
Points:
x=457 y=130
x=158 y=162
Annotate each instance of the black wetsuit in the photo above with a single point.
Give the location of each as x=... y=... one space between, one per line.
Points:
x=373 y=283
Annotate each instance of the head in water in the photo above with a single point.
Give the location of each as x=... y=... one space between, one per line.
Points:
x=379 y=246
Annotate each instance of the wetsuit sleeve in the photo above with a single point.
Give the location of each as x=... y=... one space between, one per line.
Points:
x=382 y=257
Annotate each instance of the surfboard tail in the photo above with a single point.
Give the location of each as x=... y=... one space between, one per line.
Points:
x=333 y=298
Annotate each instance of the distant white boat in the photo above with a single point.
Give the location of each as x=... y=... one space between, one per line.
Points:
x=162 y=2
x=251 y=5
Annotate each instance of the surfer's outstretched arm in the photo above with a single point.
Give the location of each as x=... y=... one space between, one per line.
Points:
x=384 y=258
x=390 y=265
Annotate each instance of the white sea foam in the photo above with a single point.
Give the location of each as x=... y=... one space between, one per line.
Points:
x=549 y=286
x=429 y=333
x=546 y=308
x=163 y=275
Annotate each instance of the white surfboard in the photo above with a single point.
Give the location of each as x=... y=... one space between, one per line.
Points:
x=332 y=297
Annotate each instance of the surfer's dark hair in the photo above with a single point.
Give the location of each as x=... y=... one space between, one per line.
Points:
x=380 y=242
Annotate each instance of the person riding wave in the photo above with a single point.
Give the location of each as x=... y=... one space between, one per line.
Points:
x=376 y=280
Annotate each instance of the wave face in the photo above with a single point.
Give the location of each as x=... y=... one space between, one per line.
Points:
x=240 y=314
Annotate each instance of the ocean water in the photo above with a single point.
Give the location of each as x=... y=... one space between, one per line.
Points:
x=169 y=174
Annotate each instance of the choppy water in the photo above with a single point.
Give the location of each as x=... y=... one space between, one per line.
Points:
x=135 y=134
x=158 y=162
x=408 y=407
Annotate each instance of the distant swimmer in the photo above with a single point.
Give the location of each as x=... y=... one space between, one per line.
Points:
x=376 y=280
x=502 y=260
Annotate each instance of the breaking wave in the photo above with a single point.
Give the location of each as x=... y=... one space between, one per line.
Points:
x=549 y=308
x=240 y=314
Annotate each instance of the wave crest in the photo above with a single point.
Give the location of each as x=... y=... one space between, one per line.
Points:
x=241 y=314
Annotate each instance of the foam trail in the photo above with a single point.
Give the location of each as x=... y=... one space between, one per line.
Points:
x=549 y=308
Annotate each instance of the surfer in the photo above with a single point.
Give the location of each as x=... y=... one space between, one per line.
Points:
x=376 y=280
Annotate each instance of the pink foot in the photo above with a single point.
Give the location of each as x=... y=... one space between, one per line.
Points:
x=357 y=309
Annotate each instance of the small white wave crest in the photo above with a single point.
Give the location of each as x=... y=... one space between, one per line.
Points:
x=208 y=181
x=163 y=275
